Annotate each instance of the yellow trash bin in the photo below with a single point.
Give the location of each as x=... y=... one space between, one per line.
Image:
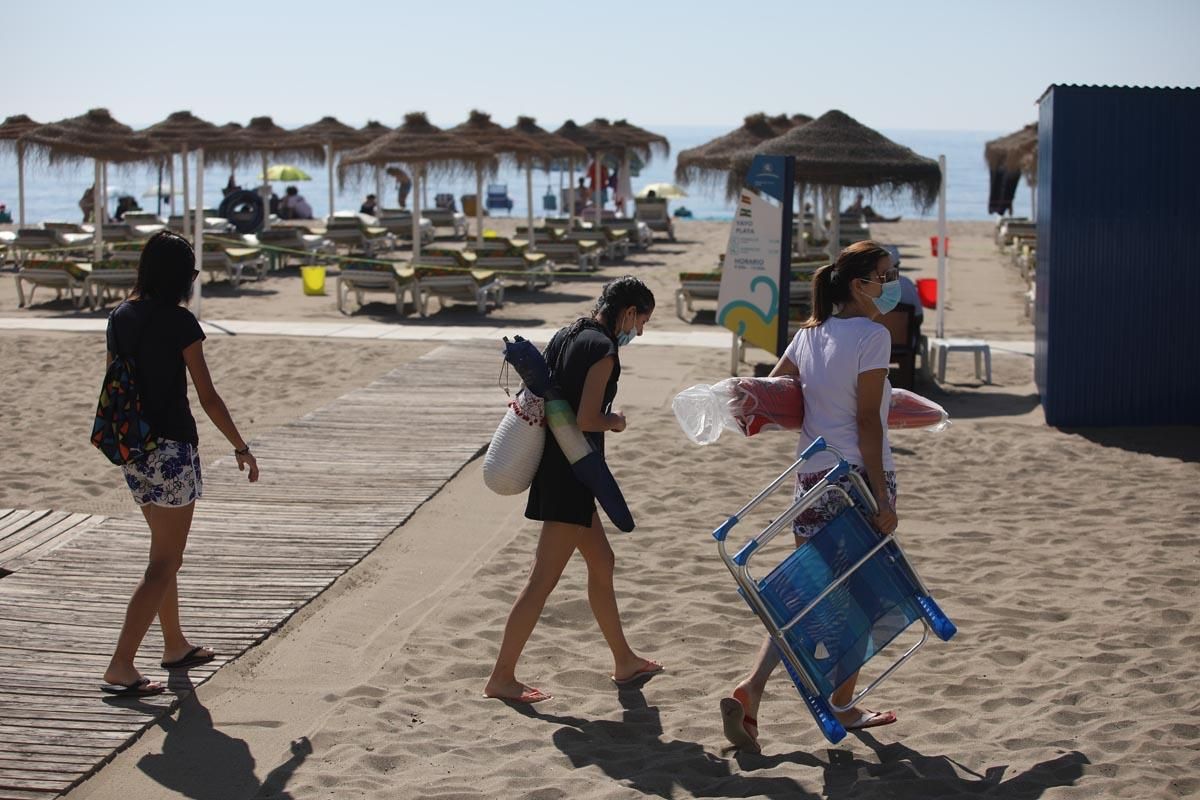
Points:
x=314 y=279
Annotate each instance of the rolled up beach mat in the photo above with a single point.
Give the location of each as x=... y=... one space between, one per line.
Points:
x=516 y=448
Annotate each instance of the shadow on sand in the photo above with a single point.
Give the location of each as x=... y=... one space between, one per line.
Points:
x=200 y=762
x=632 y=752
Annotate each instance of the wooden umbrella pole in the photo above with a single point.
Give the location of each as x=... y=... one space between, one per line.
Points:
x=478 y=204
x=21 y=184
x=529 y=211
x=187 y=223
x=571 y=195
x=941 y=262
x=418 y=178
x=98 y=235
x=197 y=285
x=329 y=164
x=171 y=183
x=266 y=196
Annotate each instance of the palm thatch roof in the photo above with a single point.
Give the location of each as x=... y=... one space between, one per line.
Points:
x=338 y=135
x=709 y=162
x=618 y=141
x=586 y=138
x=262 y=135
x=552 y=145
x=656 y=142
x=1007 y=152
x=14 y=128
x=373 y=130
x=837 y=150
x=94 y=135
x=185 y=129
x=417 y=143
x=480 y=130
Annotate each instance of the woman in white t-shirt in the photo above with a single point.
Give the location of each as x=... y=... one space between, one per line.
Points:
x=841 y=355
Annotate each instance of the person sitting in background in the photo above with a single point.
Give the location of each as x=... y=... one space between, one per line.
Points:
x=5 y=217
x=125 y=203
x=369 y=205
x=582 y=195
x=908 y=289
x=294 y=206
x=857 y=209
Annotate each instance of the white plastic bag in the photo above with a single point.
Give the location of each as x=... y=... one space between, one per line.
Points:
x=516 y=449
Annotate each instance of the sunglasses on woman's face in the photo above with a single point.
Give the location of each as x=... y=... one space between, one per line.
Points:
x=887 y=277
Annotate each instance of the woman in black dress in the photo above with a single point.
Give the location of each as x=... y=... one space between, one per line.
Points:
x=584 y=358
x=166 y=343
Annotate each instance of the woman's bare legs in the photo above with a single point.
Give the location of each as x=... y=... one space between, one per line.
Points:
x=555 y=547
x=168 y=537
x=601 y=565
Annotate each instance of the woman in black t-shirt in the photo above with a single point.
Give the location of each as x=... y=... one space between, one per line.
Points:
x=586 y=365
x=165 y=342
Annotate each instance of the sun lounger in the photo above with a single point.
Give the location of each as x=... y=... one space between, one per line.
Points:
x=398 y=222
x=471 y=286
x=360 y=277
x=640 y=234
x=57 y=275
x=353 y=235
x=514 y=256
x=615 y=244
x=695 y=286
x=112 y=279
x=305 y=245
x=446 y=218
x=653 y=212
x=233 y=264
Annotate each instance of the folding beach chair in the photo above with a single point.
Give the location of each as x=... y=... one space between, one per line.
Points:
x=839 y=599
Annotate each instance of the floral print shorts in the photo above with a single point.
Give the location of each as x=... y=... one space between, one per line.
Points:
x=830 y=504
x=167 y=476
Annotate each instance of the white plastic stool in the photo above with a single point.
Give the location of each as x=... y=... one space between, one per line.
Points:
x=943 y=347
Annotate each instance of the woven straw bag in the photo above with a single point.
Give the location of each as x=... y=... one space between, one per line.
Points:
x=516 y=449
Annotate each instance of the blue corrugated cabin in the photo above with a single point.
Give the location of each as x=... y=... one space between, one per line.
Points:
x=1117 y=307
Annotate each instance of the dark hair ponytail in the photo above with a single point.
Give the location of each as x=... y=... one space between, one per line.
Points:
x=618 y=295
x=831 y=283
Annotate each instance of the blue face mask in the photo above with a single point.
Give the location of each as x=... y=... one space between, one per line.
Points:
x=888 y=298
x=627 y=337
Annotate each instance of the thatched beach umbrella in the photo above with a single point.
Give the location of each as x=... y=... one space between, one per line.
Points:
x=95 y=136
x=597 y=138
x=337 y=137
x=423 y=147
x=369 y=133
x=553 y=147
x=183 y=132
x=591 y=143
x=11 y=130
x=264 y=137
x=504 y=143
x=1008 y=157
x=710 y=162
x=655 y=143
x=835 y=151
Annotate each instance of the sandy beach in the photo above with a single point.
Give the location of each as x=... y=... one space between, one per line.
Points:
x=1067 y=558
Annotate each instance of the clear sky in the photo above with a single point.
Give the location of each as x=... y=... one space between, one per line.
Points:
x=917 y=64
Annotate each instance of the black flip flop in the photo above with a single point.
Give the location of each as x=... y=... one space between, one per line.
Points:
x=189 y=660
x=135 y=689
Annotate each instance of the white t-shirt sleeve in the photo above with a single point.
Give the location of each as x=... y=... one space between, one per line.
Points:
x=876 y=349
x=792 y=353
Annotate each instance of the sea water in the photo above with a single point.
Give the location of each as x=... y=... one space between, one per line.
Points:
x=53 y=193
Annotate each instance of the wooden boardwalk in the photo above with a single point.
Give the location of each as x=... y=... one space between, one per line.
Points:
x=26 y=536
x=334 y=484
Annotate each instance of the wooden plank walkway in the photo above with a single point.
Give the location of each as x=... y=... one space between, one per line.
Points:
x=334 y=484
x=26 y=536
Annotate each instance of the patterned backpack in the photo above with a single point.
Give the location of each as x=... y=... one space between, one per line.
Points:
x=120 y=430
